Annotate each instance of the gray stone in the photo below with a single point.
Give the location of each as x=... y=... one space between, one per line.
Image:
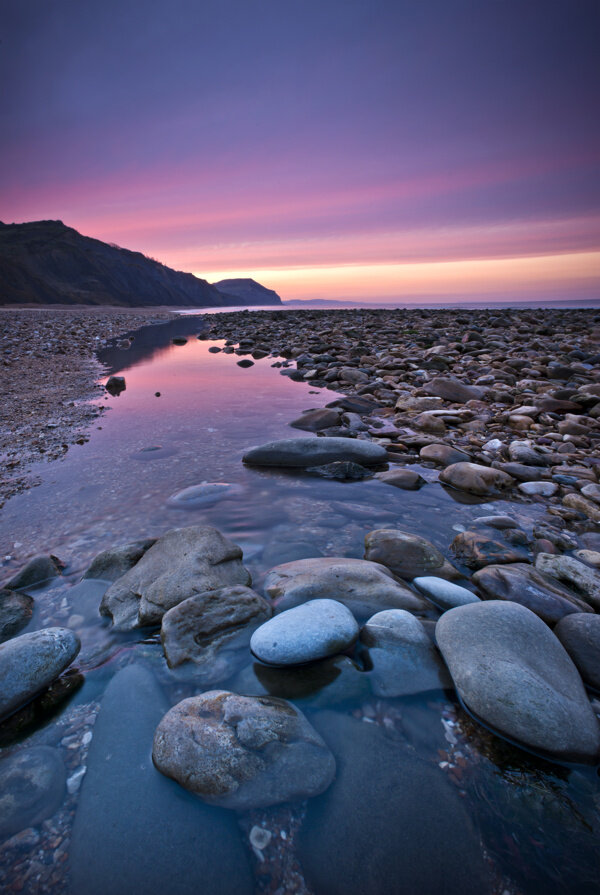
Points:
x=303 y=452
x=524 y=452
x=207 y=636
x=314 y=630
x=444 y=593
x=402 y=658
x=391 y=823
x=32 y=785
x=242 y=752
x=364 y=587
x=406 y=555
x=580 y=636
x=16 y=610
x=443 y=454
x=574 y=574
x=453 y=390
x=482 y=480
x=30 y=662
x=206 y=494
x=183 y=562
x=134 y=830
x=516 y=676
x=114 y=562
x=542 y=489
x=314 y=420
x=37 y=570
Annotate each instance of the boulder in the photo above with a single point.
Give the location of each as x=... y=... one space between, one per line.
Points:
x=16 y=610
x=303 y=452
x=364 y=587
x=114 y=562
x=516 y=676
x=482 y=480
x=30 y=662
x=183 y=562
x=32 y=786
x=406 y=555
x=444 y=593
x=314 y=630
x=580 y=636
x=573 y=574
x=37 y=570
x=242 y=752
x=207 y=636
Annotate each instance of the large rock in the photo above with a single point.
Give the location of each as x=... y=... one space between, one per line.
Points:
x=16 y=610
x=453 y=390
x=444 y=593
x=134 y=830
x=208 y=635
x=406 y=555
x=521 y=583
x=314 y=420
x=242 y=752
x=30 y=662
x=482 y=480
x=184 y=562
x=516 y=676
x=114 y=562
x=314 y=630
x=573 y=573
x=443 y=454
x=391 y=823
x=477 y=550
x=402 y=657
x=580 y=636
x=303 y=452
x=32 y=785
x=39 y=569
x=364 y=587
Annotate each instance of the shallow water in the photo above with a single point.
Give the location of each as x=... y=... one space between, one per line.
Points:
x=537 y=820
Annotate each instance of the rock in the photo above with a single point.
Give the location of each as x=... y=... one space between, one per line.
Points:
x=32 y=785
x=342 y=470
x=314 y=630
x=525 y=453
x=179 y=340
x=364 y=587
x=391 y=823
x=592 y=492
x=30 y=662
x=206 y=494
x=37 y=570
x=402 y=658
x=245 y=363
x=407 y=479
x=442 y=454
x=303 y=452
x=16 y=610
x=115 y=385
x=351 y=374
x=242 y=752
x=499 y=522
x=453 y=390
x=183 y=562
x=587 y=508
x=36 y=713
x=515 y=675
x=521 y=583
x=580 y=636
x=114 y=562
x=208 y=634
x=317 y=685
x=483 y=480
x=476 y=550
x=574 y=574
x=406 y=555
x=543 y=489
x=519 y=471
x=314 y=420
x=590 y=557
x=444 y=593
x=131 y=821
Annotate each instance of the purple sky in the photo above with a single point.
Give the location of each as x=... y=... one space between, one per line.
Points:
x=334 y=149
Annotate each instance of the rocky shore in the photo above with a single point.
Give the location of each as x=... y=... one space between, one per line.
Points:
x=49 y=373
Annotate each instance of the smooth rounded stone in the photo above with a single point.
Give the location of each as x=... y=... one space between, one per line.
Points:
x=453 y=390
x=515 y=675
x=391 y=823
x=522 y=583
x=134 y=830
x=206 y=635
x=483 y=480
x=477 y=550
x=183 y=562
x=314 y=420
x=364 y=587
x=314 y=630
x=573 y=574
x=303 y=452
x=407 y=479
x=543 y=489
x=443 y=454
x=590 y=557
x=37 y=570
x=242 y=752
x=320 y=684
x=16 y=610
x=520 y=471
x=592 y=492
x=206 y=494
x=406 y=555
x=32 y=785
x=444 y=593
x=401 y=656
x=499 y=522
x=525 y=453
x=30 y=662
x=580 y=636
x=114 y=562
x=353 y=375
x=587 y=508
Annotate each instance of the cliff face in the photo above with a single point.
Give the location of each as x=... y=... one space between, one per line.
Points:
x=45 y=262
x=249 y=292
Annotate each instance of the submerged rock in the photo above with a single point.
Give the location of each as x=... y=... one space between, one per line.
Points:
x=30 y=662
x=476 y=550
x=316 y=685
x=206 y=494
x=242 y=752
x=515 y=675
x=407 y=479
x=16 y=610
x=314 y=630
x=39 y=569
x=406 y=555
x=343 y=470
x=182 y=563
x=303 y=452
x=32 y=786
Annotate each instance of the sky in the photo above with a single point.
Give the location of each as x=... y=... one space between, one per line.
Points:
x=373 y=151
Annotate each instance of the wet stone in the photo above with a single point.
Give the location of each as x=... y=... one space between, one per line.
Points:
x=407 y=479
x=206 y=494
x=329 y=682
x=303 y=452
x=37 y=571
x=476 y=550
x=482 y=480
x=580 y=636
x=16 y=610
x=114 y=562
x=314 y=630
x=444 y=594
x=32 y=785
x=406 y=555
